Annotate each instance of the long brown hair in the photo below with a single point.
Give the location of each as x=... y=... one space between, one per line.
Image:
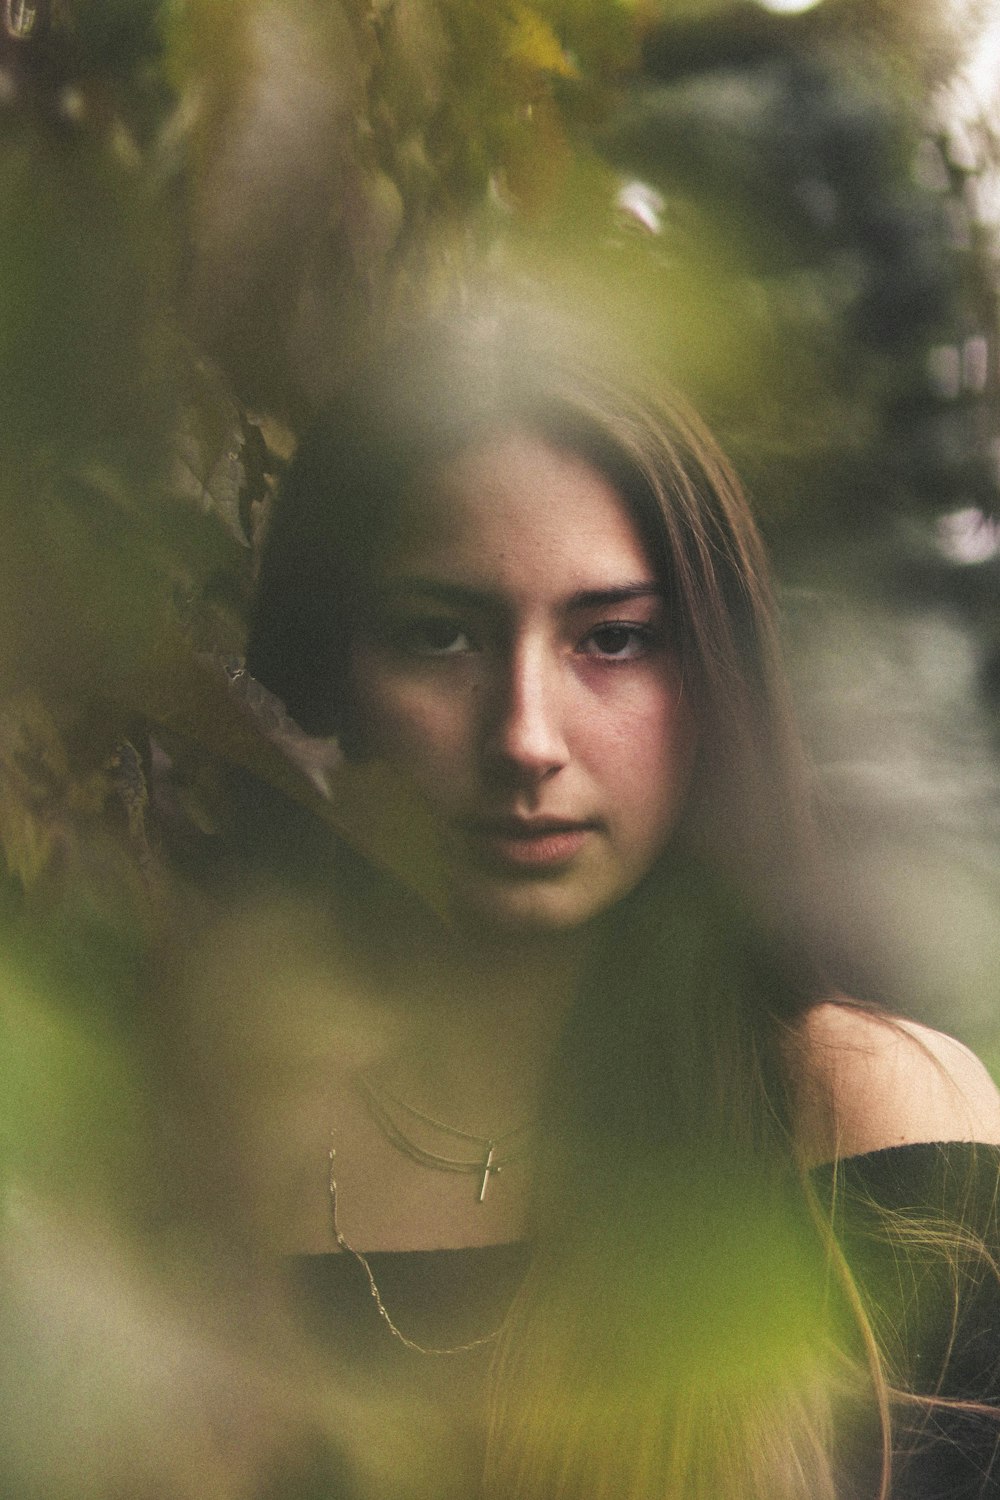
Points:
x=687 y=1328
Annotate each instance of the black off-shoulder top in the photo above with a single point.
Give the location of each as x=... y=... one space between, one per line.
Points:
x=942 y=1324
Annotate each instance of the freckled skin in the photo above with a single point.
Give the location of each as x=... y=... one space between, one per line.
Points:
x=518 y=673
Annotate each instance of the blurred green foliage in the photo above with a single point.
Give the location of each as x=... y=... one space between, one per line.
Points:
x=207 y=209
x=204 y=202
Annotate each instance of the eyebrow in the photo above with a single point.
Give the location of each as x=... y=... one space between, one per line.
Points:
x=596 y=598
x=463 y=597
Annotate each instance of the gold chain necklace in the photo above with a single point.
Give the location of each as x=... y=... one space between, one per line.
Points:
x=494 y=1153
x=383 y=1312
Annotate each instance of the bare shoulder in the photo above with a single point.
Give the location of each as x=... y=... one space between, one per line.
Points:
x=867 y=1081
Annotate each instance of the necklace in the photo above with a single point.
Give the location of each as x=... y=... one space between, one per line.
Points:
x=383 y=1312
x=493 y=1154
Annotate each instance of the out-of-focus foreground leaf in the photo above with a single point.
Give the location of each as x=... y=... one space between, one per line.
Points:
x=272 y=183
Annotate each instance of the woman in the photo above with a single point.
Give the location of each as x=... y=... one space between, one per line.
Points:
x=536 y=596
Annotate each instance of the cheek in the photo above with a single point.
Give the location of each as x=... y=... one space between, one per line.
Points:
x=651 y=759
x=675 y=769
x=407 y=723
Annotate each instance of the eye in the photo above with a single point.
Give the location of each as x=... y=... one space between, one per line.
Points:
x=618 y=640
x=432 y=636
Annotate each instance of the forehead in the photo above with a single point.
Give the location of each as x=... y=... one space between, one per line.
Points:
x=514 y=510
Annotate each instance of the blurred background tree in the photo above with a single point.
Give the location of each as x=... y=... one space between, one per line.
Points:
x=831 y=175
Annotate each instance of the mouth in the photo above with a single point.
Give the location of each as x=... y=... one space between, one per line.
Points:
x=514 y=843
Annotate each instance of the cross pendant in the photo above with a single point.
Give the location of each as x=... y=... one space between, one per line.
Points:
x=488 y=1167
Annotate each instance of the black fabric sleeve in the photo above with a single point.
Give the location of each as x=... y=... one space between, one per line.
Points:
x=919 y=1228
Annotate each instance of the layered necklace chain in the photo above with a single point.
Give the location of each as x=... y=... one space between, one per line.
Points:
x=492 y=1154
x=383 y=1311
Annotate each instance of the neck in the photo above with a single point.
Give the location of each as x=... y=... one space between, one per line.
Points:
x=483 y=1015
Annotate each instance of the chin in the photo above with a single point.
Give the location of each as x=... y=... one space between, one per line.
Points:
x=530 y=907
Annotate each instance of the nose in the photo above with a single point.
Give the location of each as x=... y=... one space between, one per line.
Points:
x=526 y=738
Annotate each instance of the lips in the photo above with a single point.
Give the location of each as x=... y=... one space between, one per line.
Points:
x=528 y=843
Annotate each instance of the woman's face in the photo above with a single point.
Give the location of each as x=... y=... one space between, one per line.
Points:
x=517 y=670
